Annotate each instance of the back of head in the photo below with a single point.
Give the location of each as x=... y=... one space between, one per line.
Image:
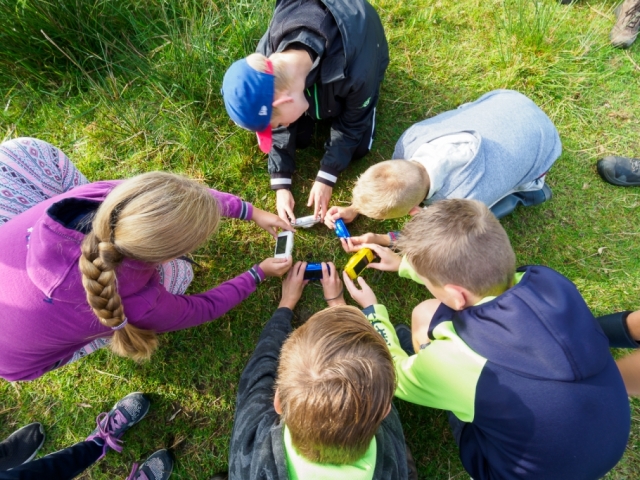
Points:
x=336 y=380
x=459 y=242
x=390 y=189
x=154 y=217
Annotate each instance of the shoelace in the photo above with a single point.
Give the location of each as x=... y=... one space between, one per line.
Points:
x=634 y=15
x=106 y=433
x=133 y=472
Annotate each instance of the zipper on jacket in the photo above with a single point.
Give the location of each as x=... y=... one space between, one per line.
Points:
x=315 y=94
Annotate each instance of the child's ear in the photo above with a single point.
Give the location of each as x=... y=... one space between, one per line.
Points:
x=415 y=210
x=282 y=100
x=458 y=297
x=276 y=403
x=388 y=411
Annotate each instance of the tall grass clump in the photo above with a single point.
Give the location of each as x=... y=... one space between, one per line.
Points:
x=526 y=23
x=89 y=43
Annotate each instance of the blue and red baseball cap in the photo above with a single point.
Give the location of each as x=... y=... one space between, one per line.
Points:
x=248 y=95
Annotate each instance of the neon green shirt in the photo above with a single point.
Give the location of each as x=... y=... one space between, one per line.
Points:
x=300 y=468
x=445 y=374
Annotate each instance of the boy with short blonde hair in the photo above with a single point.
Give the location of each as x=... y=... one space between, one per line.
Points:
x=497 y=149
x=329 y=413
x=515 y=356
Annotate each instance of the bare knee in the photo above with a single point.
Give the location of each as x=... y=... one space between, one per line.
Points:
x=421 y=320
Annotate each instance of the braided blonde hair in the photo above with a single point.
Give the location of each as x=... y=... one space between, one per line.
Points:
x=154 y=217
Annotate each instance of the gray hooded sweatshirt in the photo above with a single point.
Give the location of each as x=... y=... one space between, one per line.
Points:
x=515 y=145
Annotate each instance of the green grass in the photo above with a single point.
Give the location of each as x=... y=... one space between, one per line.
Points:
x=129 y=86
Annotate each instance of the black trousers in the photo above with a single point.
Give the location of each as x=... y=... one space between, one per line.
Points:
x=62 y=465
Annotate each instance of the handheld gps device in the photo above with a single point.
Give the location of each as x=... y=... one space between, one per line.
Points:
x=341 y=229
x=314 y=271
x=358 y=262
x=306 y=222
x=284 y=245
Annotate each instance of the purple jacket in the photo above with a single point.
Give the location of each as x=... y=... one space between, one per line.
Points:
x=44 y=314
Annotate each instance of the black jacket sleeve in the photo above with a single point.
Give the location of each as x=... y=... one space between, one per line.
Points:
x=348 y=131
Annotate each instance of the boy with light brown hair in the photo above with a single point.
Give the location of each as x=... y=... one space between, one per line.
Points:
x=323 y=409
x=497 y=149
x=515 y=356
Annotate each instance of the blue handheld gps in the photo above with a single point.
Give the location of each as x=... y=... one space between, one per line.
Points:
x=314 y=271
x=341 y=229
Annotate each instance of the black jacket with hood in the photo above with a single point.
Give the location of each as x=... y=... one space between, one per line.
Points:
x=257 y=441
x=351 y=54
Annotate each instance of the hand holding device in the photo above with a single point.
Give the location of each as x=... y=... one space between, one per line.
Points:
x=275 y=267
x=389 y=260
x=358 y=262
x=347 y=214
x=364 y=297
x=331 y=285
x=293 y=285
x=270 y=222
x=313 y=271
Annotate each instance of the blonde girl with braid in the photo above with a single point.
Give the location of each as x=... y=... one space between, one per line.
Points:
x=84 y=265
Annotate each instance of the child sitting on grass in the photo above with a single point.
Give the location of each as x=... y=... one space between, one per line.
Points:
x=331 y=415
x=515 y=355
x=496 y=150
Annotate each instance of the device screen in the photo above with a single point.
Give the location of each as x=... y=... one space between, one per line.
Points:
x=281 y=246
x=360 y=266
x=312 y=274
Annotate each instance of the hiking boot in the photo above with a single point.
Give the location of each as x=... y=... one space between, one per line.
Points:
x=21 y=446
x=124 y=415
x=620 y=170
x=406 y=338
x=157 y=467
x=625 y=31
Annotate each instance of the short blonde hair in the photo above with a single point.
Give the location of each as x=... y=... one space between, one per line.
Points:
x=459 y=242
x=336 y=380
x=154 y=217
x=390 y=189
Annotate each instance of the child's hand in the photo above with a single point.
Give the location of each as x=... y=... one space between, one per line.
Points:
x=364 y=297
x=276 y=267
x=347 y=214
x=389 y=260
x=319 y=197
x=293 y=285
x=270 y=222
x=353 y=244
x=331 y=285
x=285 y=204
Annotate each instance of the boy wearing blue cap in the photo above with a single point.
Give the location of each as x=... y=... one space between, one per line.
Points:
x=319 y=59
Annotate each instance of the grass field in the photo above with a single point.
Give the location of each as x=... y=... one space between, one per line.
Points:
x=125 y=87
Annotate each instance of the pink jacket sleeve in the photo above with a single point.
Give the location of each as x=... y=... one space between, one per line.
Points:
x=232 y=206
x=156 y=309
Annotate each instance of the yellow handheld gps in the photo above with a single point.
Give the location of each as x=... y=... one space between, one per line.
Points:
x=358 y=262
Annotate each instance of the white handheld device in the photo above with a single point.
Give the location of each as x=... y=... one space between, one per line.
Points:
x=284 y=245
x=307 y=222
